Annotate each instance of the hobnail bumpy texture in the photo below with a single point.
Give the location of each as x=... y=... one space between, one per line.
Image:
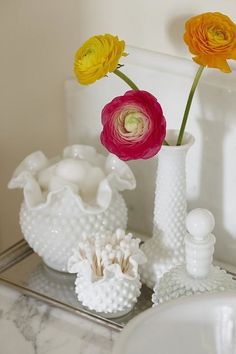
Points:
x=166 y=248
x=113 y=296
x=159 y=261
x=53 y=231
x=178 y=282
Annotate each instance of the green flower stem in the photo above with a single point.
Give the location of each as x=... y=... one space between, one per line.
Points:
x=188 y=105
x=129 y=82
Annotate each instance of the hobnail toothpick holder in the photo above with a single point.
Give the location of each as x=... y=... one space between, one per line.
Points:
x=108 y=280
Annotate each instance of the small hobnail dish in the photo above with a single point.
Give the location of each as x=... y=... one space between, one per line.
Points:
x=107 y=280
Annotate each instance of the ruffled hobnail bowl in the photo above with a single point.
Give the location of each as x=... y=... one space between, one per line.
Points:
x=66 y=198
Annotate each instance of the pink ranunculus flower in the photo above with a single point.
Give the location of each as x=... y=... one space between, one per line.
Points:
x=133 y=126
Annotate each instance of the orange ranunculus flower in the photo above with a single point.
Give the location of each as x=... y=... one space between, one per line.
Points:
x=211 y=37
x=98 y=55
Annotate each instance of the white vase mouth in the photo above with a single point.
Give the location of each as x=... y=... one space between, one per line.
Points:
x=171 y=138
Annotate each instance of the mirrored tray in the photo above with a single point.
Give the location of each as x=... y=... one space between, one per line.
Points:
x=21 y=268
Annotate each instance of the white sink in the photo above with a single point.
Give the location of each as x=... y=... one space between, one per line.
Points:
x=201 y=324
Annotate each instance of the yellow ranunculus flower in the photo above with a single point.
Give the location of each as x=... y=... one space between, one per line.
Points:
x=98 y=55
x=211 y=37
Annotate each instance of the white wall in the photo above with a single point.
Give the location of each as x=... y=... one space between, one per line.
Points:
x=38 y=40
x=150 y=24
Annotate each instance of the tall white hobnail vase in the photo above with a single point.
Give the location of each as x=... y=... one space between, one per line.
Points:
x=165 y=249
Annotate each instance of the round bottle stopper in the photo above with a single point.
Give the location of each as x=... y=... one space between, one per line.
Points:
x=200 y=223
x=199 y=244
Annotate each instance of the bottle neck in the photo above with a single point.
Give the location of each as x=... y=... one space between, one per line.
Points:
x=199 y=255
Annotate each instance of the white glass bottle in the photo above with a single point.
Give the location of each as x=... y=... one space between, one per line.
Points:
x=197 y=275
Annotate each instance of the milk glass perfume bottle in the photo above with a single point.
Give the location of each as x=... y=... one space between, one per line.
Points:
x=197 y=275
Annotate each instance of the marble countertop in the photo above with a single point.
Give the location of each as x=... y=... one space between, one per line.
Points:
x=28 y=326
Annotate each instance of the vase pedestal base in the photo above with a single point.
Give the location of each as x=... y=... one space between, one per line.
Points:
x=160 y=260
